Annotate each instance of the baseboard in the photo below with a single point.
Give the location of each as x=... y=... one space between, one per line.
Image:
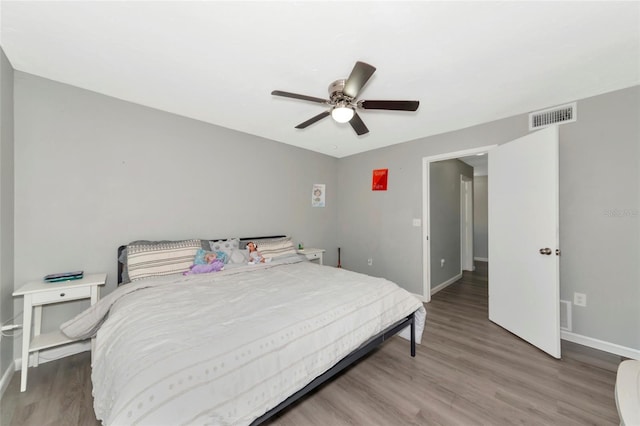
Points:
x=6 y=378
x=481 y=259
x=445 y=284
x=58 y=352
x=600 y=345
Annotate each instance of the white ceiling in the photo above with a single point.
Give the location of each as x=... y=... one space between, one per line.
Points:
x=466 y=62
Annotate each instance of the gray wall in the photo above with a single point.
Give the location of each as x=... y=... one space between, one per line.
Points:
x=480 y=217
x=600 y=216
x=444 y=193
x=6 y=207
x=599 y=172
x=94 y=172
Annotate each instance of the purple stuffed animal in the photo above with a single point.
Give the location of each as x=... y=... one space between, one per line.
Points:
x=215 y=266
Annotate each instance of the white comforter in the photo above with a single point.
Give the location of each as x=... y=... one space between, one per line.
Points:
x=226 y=347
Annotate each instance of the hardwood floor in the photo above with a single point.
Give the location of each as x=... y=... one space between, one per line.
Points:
x=467 y=371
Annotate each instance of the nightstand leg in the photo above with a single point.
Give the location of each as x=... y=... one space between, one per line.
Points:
x=26 y=339
x=37 y=325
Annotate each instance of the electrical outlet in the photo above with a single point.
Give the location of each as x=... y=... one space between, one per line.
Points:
x=369 y=261
x=442 y=263
x=580 y=299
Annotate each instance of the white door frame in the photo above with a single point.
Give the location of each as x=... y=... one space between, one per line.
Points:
x=466 y=223
x=426 y=217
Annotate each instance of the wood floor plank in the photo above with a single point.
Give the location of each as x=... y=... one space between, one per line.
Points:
x=468 y=371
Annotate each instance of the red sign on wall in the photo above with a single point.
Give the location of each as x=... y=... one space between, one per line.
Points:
x=380 y=180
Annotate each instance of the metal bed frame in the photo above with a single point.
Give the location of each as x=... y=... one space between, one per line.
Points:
x=347 y=361
x=352 y=358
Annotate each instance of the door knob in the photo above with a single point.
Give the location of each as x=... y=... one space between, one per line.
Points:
x=545 y=250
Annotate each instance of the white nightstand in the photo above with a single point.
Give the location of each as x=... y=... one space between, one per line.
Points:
x=39 y=293
x=313 y=254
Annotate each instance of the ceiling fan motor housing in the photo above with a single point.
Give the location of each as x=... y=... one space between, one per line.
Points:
x=336 y=93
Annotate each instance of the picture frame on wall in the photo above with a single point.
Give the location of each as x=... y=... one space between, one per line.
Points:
x=380 y=178
x=317 y=195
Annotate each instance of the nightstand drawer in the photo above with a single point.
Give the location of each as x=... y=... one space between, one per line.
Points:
x=60 y=295
x=312 y=256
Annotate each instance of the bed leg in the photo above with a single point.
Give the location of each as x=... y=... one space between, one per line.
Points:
x=413 y=335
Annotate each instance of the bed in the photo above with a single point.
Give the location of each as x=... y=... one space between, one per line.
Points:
x=235 y=346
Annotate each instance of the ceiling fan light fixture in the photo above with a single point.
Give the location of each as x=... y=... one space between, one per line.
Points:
x=342 y=113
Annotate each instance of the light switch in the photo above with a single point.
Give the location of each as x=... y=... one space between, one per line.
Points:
x=417 y=222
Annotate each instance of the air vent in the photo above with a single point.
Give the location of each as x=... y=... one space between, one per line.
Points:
x=565 y=315
x=556 y=115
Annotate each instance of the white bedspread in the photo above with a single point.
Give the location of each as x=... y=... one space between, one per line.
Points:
x=226 y=347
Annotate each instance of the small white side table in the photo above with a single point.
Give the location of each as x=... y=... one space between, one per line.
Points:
x=313 y=254
x=39 y=293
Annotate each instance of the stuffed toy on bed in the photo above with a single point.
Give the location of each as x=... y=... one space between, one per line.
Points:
x=203 y=256
x=214 y=266
x=211 y=264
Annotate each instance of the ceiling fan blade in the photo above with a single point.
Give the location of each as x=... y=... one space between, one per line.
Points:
x=390 y=105
x=360 y=74
x=358 y=125
x=312 y=120
x=297 y=96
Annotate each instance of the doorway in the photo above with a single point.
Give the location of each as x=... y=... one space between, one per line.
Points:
x=426 y=216
x=524 y=276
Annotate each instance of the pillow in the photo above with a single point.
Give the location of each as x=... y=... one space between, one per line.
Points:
x=225 y=246
x=161 y=259
x=260 y=241
x=275 y=248
x=123 y=254
x=239 y=256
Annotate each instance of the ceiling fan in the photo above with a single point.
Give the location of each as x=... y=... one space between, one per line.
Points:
x=343 y=103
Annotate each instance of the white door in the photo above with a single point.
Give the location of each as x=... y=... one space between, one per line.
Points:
x=524 y=290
